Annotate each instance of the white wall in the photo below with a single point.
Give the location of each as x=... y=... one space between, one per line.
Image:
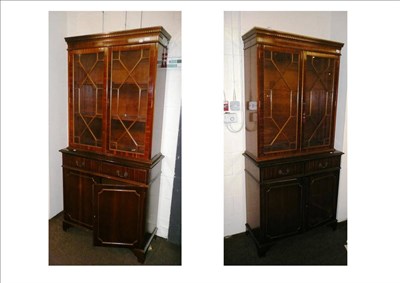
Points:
x=326 y=25
x=64 y=24
x=339 y=33
x=234 y=143
x=58 y=111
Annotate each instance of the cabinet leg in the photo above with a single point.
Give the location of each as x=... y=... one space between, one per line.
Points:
x=262 y=247
x=333 y=225
x=140 y=255
x=66 y=226
x=261 y=251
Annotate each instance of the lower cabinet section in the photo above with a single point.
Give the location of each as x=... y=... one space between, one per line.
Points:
x=284 y=197
x=122 y=212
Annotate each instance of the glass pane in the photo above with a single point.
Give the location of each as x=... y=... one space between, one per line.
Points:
x=129 y=99
x=87 y=95
x=318 y=101
x=281 y=77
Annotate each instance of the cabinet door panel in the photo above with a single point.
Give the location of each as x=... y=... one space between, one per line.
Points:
x=283 y=208
x=280 y=101
x=318 y=101
x=87 y=73
x=129 y=100
x=322 y=198
x=78 y=197
x=118 y=215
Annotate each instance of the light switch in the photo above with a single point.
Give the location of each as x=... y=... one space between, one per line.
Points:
x=234 y=105
x=253 y=105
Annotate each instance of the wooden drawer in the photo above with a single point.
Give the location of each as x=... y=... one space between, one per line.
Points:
x=322 y=164
x=281 y=171
x=123 y=172
x=80 y=163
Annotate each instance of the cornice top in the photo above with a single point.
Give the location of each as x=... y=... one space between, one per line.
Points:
x=142 y=35
x=261 y=33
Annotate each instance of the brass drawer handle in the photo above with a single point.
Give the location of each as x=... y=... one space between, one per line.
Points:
x=119 y=174
x=283 y=173
x=80 y=165
x=324 y=165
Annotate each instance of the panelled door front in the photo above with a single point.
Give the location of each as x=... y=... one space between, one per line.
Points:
x=322 y=198
x=283 y=208
x=118 y=215
x=78 y=197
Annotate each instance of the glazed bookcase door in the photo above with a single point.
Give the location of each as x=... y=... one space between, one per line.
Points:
x=130 y=103
x=280 y=100
x=87 y=93
x=319 y=107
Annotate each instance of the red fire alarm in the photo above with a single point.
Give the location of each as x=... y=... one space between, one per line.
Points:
x=226 y=106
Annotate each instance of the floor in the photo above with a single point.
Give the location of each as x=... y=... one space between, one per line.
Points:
x=321 y=246
x=75 y=247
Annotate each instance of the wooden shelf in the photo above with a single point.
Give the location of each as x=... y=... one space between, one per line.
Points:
x=129 y=118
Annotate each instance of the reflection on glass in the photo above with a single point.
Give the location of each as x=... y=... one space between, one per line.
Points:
x=87 y=96
x=318 y=101
x=281 y=75
x=129 y=99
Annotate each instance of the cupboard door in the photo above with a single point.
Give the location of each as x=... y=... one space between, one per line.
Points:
x=87 y=90
x=118 y=215
x=129 y=100
x=78 y=197
x=322 y=198
x=319 y=106
x=283 y=208
x=280 y=100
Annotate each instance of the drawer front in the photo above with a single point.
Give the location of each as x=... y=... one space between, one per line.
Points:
x=281 y=171
x=123 y=172
x=80 y=163
x=322 y=164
